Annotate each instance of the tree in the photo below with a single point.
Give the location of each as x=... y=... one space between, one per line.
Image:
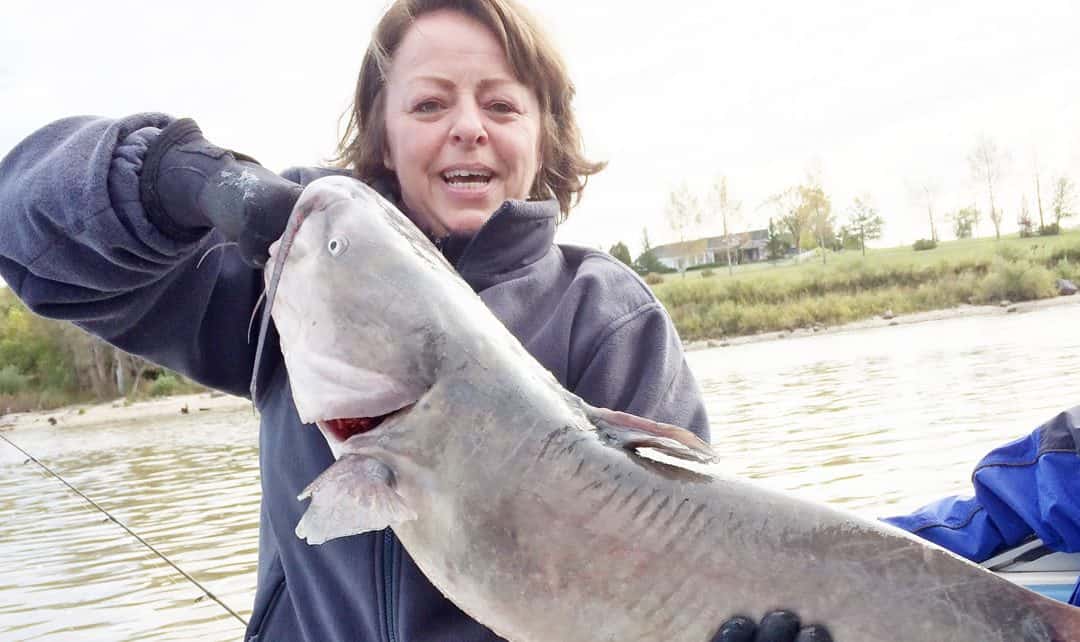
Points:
x=1023 y=220
x=728 y=209
x=964 y=221
x=683 y=211
x=849 y=239
x=864 y=221
x=819 y=216
x=790 y=215
x=1038 y=195
x=925 y=193
x=987 y=166
x=646 y=261
x=44 y=355
x=1062 y=205
x=776 y=246
x=621 y=252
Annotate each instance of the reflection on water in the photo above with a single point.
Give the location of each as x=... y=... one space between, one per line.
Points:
x=877 y=421
x=188 y=487
x=883 y=420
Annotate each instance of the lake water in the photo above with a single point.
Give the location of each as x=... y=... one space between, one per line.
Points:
x=878 y=421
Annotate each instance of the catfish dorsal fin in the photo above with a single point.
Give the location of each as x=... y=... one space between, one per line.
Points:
x=631 y=432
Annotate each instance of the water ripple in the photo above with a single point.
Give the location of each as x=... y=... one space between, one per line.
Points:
x=877 y=421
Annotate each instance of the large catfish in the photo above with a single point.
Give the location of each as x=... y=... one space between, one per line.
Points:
x=547 y=519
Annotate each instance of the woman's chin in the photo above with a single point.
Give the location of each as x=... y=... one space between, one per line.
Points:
x=464 y=222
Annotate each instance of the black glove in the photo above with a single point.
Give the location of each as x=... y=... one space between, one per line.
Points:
x=188 y=185
x=778 y=626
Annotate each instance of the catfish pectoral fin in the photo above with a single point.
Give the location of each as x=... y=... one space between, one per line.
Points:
x=354 y=495
x=631 y=432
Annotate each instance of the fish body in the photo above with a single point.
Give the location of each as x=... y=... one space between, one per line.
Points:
x=549 y=520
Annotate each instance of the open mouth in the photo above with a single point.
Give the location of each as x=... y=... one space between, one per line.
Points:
x=468 y=178
x=344 y=428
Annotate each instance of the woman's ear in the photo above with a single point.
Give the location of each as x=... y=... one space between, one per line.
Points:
x=387 y=162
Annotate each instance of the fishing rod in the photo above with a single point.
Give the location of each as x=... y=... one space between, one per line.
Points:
x=124 y=526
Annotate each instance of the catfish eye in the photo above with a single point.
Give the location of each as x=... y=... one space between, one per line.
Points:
x=337 y=246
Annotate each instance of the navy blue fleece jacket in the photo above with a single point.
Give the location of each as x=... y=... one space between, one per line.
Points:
x=76 y=245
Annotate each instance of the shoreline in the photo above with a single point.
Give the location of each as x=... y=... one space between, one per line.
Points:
x=959 y=312
x=119 y=411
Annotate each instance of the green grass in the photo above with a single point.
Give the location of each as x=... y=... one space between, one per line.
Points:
x=764 y=297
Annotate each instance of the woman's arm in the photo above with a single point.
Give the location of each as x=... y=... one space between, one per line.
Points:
x=78 y=245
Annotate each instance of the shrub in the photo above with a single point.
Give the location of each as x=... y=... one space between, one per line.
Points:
x=1064 y=269
x=653 y=278
x=1064 y=252
x=164 y=386
x=706 y=273
x=1052 y=229
x=12 y=381
x=924 y=244
x=1011 y=253
x=1016 y=281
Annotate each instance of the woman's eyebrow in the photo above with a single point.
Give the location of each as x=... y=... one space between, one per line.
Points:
x=445 y=83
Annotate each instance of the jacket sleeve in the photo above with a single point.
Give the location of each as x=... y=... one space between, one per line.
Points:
x=77 y=246
x=1029 y=487
x=639 y=367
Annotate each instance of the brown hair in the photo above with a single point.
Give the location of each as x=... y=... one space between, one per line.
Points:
x=563 y=171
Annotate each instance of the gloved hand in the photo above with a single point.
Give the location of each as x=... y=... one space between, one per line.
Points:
x=778 y=626
x=189 y=185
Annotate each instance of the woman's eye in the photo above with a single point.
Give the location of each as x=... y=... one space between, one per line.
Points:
x=336 y=246
x=427 y=107
x=501 y=107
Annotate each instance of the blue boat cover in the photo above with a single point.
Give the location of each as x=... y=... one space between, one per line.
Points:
x=1027 y=488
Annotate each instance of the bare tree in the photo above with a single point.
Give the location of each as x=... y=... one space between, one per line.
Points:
x=1023 y=219
x=684 y=216
x=1038 y=193
x=925 y=194
x=683 y=211
x=987 y=164
x=729 y=211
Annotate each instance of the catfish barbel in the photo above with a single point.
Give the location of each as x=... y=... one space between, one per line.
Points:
x=549 y=520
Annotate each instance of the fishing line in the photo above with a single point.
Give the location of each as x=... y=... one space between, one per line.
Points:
x=129 y=531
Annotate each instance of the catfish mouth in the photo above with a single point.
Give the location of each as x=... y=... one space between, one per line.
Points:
x=345 y=427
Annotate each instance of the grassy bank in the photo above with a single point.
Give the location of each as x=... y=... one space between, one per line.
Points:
x=763 y=297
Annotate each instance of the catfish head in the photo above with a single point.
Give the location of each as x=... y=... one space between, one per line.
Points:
x=355 y=292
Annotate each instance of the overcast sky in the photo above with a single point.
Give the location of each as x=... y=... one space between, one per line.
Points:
x=875 y=94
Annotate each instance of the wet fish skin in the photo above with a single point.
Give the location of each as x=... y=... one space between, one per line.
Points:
x=536 y=513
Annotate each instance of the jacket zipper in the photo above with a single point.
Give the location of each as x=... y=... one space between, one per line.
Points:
x=388 y=585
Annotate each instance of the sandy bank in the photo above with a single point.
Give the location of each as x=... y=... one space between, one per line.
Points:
x=879 y=322
x=118 y=411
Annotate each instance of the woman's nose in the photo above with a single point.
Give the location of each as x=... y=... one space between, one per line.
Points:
x=468 y=127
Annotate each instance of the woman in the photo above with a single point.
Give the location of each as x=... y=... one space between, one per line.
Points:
x=462 y=116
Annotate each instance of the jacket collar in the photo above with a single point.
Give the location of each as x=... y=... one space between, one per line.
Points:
x=518 y=234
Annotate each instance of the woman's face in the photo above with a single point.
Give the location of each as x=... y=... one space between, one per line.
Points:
x=463 y=135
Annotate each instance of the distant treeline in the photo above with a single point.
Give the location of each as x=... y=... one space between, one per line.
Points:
x=45 y=364
x=850 y=287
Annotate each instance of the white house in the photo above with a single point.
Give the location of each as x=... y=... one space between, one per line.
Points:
x=746 y=247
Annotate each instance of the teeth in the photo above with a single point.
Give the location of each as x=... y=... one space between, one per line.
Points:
x=467 y=173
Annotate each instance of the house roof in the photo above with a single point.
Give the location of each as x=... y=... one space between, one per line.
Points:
x=740 y=240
